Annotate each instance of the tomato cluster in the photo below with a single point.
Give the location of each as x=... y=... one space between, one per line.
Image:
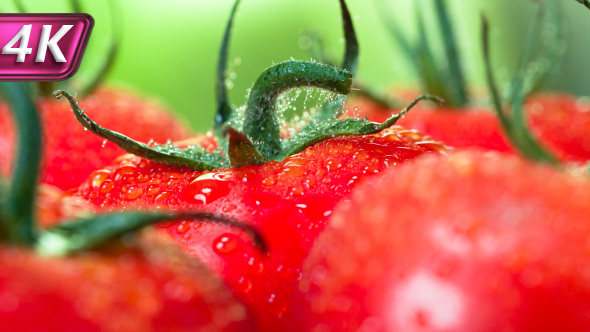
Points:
x=331 y=224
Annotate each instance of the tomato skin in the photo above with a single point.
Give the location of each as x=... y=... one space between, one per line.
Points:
x=550 y=117
x=288 y=202
x=475 y=242
x=71 y=153
x=151 y=287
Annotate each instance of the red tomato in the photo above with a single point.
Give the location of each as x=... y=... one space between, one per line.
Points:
x=475 y=242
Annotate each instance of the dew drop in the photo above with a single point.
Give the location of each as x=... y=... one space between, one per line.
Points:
x=268 y=181
x=297 y=190
x=411 y=134
x=152 y=189
x=162 y=196
x=143 y=177
x=361 y=155
x=432 y=146
x=125 y=173
x=255 y=266
x=183 y=226
x=277 y=305
x=310 y=182
x=98 y=177
x=143 y=164
x=352 y=180
x=331 y=164
x=133 y=192
x=226 y=244
x=244 y=285
x=228 y=207
x=294 y=171
x=246 y=174
x=107 y=186
x=171 y=179
x=206 y=189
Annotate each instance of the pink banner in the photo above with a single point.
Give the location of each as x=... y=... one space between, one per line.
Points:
x=42 y=47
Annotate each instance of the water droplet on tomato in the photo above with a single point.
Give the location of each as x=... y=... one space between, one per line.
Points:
x=98 y=177
x=361 y=155
x=373 y=168
x=162 y=196
x=432 y=146
x=133 y=193
x=183 y=226
x=268 y=181
x=391 y=137
x=277 y=305
x=152 y=189
x=244 y=285
x=155 y=179
x=411 y=134
x=332 y=164
x=255 y=266
x=125 y=173
x=142 y=177
x=171 y=179
x=226 y=244
x=333 y=151
x=143 y=164
x=206 y=188
x=246 y=174
x=352 y=180
x=228 y=207
x=310 y=182
x=107 y=186
x=297 y=190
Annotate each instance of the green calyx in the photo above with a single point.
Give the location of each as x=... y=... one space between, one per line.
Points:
x=321 y=130
x=256 y=138
x=193 y=157
x=17 y=198
x=261 y=124
x=241 y=151
x=585 y=3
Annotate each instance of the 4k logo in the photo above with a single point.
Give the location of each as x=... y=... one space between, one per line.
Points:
x=42 y=47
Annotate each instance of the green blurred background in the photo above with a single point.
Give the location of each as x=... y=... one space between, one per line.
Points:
x=169 y=48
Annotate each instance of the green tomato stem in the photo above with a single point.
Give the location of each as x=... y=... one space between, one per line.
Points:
x=261 y=124
x=514 y=126
x=585 y=3
x=224 y=109
x=351 y=53
x=71 y=237
x=17 y=208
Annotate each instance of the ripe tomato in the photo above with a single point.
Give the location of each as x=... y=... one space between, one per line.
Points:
x=288 y=201
x=475 y=242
